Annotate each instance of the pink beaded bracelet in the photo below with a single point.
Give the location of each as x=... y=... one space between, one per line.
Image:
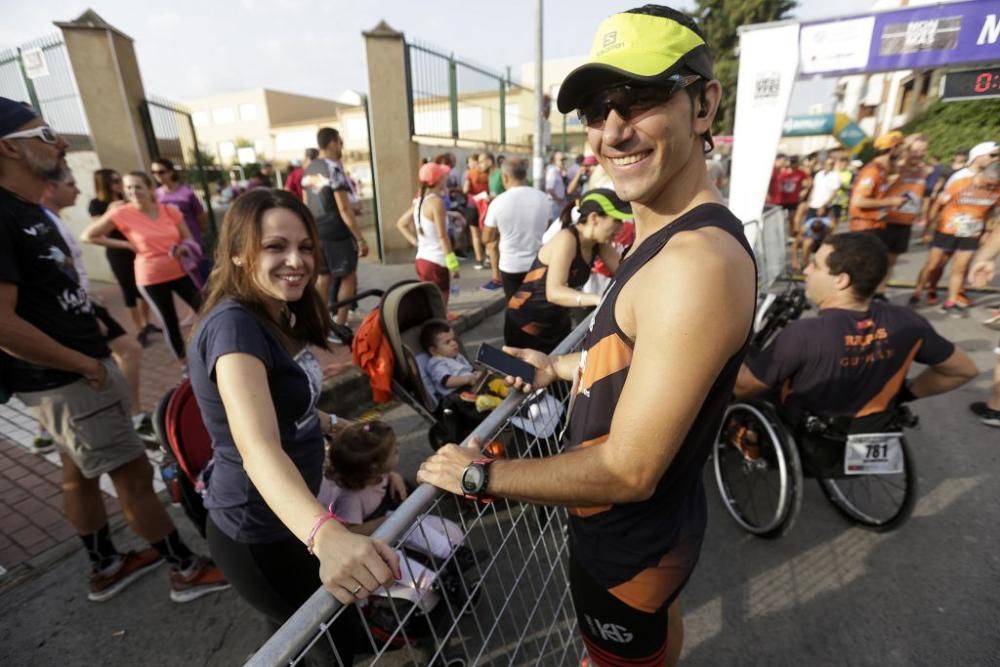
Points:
x=330 y=514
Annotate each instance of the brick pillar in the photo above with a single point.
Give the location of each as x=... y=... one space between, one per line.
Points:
x=394 y=154
x=107 y=75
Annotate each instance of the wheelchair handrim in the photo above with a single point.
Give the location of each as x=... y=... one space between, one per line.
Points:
x=728 y=499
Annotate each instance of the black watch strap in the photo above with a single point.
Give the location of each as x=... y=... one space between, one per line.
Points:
x=480 y=494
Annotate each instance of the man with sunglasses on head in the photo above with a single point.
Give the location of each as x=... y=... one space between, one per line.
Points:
x=55 y=358
x=680 y=307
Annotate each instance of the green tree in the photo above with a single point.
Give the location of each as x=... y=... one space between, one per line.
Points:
x=720 y=19
x=951 y=126
x=207 y=158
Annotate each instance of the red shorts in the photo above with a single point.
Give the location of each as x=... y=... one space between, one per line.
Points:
x=434 y=273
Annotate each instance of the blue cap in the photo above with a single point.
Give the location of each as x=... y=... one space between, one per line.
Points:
x=14 y=115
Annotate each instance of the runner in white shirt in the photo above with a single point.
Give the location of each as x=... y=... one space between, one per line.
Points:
x=980 y=156
x=520 y=216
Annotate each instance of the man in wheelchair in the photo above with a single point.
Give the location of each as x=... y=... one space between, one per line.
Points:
x=845 y=370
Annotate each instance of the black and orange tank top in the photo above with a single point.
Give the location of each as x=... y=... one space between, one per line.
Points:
x=616 y=542
x=529 y=308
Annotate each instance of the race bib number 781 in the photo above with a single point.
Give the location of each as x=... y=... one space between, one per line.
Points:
x=873 y=454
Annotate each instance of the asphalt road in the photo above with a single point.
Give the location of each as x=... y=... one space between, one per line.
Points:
x=827 y=593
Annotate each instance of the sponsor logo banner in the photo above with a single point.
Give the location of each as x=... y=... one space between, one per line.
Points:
x=910 y=38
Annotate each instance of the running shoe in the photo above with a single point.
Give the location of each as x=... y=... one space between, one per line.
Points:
x=953 y=308
x=492 y=286
x=200 y=578
x=986 y=414
x=964 y=300
x=109 y=582
x=143 y=425
x=932 y=298
x=146 y=332
x=993 y=319
x=479 y=266
x=43 y=443
x=914 y=300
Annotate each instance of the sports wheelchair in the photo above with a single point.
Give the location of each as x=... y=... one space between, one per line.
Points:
x=863 y=465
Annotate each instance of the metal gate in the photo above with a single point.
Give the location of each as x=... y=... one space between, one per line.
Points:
x=39 y=72
x=170 y=134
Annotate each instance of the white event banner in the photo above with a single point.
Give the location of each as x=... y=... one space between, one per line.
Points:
x=836 y=45
x=768 y=66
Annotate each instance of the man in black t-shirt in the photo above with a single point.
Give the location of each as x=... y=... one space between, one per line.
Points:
x=852 y=359
x=328 y=194
x=54 y=357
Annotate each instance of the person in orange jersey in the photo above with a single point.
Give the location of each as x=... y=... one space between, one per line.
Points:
x=965 y=207
x=870 y=200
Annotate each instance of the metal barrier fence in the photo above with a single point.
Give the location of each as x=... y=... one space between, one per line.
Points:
x=39 y=72
x=768 y=237
x=510 y=605
x=452 y=99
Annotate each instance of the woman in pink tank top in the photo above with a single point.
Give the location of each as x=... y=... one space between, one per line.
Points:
x=158 y=236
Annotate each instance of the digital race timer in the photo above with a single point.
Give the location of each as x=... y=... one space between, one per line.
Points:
x=972 y=84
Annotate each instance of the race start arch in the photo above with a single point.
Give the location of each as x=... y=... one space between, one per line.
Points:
x=773 y=55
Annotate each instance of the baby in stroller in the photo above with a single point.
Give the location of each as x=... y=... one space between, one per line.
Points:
x=362 y=486
x=450 y=373
x=463 y=395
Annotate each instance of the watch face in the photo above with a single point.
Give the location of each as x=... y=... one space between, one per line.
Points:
x=472 y=479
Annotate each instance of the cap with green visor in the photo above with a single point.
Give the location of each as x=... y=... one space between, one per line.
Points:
x=605 y=202
x=648 y=45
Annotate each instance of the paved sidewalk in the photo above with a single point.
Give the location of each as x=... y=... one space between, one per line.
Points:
x=31 y=518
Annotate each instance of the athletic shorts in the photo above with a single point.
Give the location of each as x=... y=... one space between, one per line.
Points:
x=91 y=425
x=112 y=329
x=895 y=237
x=952 y=243
x=836 y=210
x=430 y=272
x=340 y=258
x=617 y=633
x=816 y=228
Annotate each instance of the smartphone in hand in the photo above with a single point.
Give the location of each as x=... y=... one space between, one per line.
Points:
x=500 y=362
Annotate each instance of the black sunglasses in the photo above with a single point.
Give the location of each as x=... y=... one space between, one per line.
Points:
x=629 y=100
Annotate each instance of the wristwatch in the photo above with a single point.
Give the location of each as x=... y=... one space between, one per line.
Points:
x=475 y=479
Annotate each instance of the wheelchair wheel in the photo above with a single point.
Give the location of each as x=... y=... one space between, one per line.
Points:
x=757 y=469
x=880 y=502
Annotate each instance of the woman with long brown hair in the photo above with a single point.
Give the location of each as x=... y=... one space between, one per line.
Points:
x=257 y=384
x=159 y=237
x=108 y=188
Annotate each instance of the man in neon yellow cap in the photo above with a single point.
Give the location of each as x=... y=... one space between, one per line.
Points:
x=680 y=310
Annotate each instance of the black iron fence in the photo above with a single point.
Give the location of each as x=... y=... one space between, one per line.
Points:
x=170 y=134
x=455 y=100
x=39 y=72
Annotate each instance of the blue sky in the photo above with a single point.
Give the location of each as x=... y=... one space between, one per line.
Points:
x=187 y=49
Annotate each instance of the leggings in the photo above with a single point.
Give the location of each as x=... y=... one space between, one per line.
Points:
x=122 y=263
x=276 y=578
x=161 y=298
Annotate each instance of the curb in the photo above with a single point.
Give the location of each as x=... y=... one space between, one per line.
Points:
x=349 y=393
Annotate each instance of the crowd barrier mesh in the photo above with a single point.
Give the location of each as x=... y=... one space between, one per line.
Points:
x=495 y=591
x=510 y=604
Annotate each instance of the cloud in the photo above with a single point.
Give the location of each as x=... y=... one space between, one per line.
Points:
x=164 y=20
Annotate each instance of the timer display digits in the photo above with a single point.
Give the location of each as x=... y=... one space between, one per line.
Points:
x=974 y=84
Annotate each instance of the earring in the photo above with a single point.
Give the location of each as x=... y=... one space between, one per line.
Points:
x=237 y=261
